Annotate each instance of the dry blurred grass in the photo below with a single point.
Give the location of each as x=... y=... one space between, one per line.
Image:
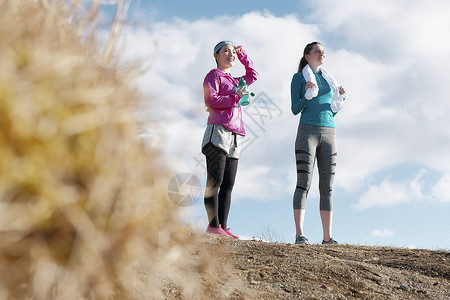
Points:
x=83 y=210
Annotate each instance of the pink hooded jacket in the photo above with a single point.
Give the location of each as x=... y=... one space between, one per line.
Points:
x=221 y=98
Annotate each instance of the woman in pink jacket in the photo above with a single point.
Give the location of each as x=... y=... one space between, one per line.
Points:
x=222 y=139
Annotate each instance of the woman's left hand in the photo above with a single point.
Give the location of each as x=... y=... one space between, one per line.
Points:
x=342 y=90
x=238 y=49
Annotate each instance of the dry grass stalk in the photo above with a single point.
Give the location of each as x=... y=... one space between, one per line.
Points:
x=83 y=209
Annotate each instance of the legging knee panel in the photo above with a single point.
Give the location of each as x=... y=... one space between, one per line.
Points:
x=315 y=143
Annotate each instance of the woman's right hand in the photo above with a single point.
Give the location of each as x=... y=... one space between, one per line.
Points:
x=308 y=85
x=242 y=91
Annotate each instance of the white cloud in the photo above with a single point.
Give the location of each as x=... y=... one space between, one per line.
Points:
x=389 y=193
x=385 y=194
x=383 y=232
x=396 y=110
x=259 y=183
x=441 y=191
x=388 y=29
x=175 y=97
x=395 y=78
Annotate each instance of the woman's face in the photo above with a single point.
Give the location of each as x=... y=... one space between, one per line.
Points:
x=226 y=57
x=316 y=56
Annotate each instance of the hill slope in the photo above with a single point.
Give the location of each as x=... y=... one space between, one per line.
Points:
x=260 y=270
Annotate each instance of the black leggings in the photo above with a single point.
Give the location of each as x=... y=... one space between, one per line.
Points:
x=219 y=184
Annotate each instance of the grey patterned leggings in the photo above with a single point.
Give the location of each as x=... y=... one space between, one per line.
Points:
x=315 y=142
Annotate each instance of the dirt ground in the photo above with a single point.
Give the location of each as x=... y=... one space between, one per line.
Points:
x=260 y=270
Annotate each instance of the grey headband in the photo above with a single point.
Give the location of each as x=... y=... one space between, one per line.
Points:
x=221 y=44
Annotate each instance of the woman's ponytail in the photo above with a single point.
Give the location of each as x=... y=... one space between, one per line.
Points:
x=303 y=63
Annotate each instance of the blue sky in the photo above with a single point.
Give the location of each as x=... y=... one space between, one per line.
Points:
x=191 y=11
x=392 y=185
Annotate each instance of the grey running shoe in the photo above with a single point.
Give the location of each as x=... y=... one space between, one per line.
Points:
x=330 y=242
x=301 y=240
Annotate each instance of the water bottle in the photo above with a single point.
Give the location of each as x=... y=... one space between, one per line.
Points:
x=245 y=100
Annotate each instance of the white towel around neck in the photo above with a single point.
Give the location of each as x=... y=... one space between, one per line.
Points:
x=337 y=102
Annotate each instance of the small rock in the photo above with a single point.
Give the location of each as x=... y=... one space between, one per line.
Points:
x=404 y=288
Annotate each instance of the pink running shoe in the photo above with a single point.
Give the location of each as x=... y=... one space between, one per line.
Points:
x=217 y=230
x=227 y=231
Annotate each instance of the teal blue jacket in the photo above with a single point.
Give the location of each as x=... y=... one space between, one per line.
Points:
x=317 y=111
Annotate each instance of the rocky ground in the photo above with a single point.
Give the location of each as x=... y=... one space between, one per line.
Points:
x=261 y=270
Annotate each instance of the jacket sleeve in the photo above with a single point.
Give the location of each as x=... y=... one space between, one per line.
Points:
x=250 y=73
x=298 y=100
x=211 y=94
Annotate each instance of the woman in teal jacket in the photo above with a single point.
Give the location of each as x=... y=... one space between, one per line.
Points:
x=316 y=140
